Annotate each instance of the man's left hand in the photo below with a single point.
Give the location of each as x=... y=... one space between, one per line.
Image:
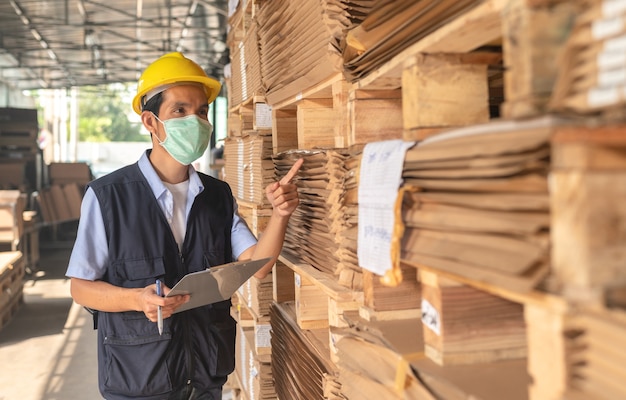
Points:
x=283 y=195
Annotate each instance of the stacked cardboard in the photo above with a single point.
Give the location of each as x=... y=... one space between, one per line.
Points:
x=248 y=166
x=482 y=209
x=12 y=205
x=295 y=48
x=60 y=203
x=390 y=27
x=300 y=363
x=342 y=15
x=464 y=325
x=593 y=77
x=11 y=284
x=320 y=224
x=245 y=82
x=19 y=149
x=373 y=367
x=254 y=371
x=61 y=173
x=349 y=271
x=596 y=356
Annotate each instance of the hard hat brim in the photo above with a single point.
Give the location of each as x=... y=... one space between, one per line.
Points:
x=211 y=87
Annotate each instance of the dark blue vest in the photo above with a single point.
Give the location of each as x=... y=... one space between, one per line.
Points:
x=197 y=346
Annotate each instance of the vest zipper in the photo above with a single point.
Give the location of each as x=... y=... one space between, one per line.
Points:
x=188 y=343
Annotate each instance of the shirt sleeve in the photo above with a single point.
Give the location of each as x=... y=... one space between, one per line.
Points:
x=241 y=236
x=90 y=253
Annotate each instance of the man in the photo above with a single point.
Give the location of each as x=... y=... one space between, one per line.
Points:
x=160 y=219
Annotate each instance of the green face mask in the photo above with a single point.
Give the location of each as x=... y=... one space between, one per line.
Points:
x=187 y=137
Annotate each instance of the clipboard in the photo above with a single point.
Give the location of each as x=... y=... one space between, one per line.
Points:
x=216 y=283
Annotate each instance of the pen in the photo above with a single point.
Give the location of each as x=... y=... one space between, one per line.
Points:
x=159 y=292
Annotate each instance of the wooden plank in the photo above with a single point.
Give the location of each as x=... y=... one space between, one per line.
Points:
x=284 y=129
x=590 y=147
x=341 y=92
x=463 y=325
x=537 y=298
x=325 y=282
x=375 y=116
x=283 y=289
x=442 y=90
x=546 y=352
x=477 y=27
x=531 y=38
x=316 y=123
x=588 y=254
x=321 y=89
x=404 y=296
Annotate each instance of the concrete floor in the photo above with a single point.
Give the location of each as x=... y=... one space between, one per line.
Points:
x=48 y=349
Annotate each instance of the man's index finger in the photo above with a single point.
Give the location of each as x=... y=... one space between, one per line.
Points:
x=292 y=172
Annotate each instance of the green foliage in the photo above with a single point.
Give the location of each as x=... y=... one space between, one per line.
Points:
x=103 y=115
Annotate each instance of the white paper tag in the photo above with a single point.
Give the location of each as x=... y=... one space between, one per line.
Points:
x=607 y=27
x=262 y=335
x=613 y=7
x=430 y=317
x=263 y=115
x=379 y=180
x=602 y=97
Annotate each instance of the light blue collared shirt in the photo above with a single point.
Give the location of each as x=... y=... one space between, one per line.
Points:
x=90 y=254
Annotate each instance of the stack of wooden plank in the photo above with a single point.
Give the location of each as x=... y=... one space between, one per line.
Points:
x=342 y=15
x=248 y=166
x=60 y=203
x=482 y=205
x=390 y=27
x=300 y=363
x=11 y=285
x=246 y=79
x=319 y=225
x=254 y=371
x=19 y=150
x=593 y=76
x=373 y=365
x=348 y=267
x=597 y=357
x=295 y=51
x=464 y=325
x=257 y=295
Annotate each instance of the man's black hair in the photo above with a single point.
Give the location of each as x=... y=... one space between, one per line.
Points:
x=154 y=104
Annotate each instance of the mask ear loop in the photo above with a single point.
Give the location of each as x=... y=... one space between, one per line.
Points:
x=155 y=134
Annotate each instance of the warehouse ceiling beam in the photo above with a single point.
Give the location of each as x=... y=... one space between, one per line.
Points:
x=68 y=43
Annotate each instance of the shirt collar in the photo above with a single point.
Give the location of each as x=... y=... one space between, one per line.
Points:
x=155 y=183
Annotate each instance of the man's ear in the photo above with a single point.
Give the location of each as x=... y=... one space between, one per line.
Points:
x=149 y=121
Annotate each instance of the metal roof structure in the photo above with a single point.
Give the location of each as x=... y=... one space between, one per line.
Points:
x=47 y=44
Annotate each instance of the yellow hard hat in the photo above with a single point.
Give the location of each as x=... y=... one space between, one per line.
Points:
x=170 y=69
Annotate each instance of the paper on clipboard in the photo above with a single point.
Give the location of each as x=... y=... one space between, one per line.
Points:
x=216 y=283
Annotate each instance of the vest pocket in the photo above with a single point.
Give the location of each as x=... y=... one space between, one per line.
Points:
x=223 y=345
x=138 y=273
x=137 y=366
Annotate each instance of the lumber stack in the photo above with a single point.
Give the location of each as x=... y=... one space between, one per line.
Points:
x=588 y=176
x=319 y=225
x=253 y=370
x=295 y=48
x=12 y=272
x=19 y=150
x=481 y=209
x=245 y=80
x=373 y=359
x=248 y=166
x=596 y=358
x=390 y=27
x=594 y=73
x=300 y=366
